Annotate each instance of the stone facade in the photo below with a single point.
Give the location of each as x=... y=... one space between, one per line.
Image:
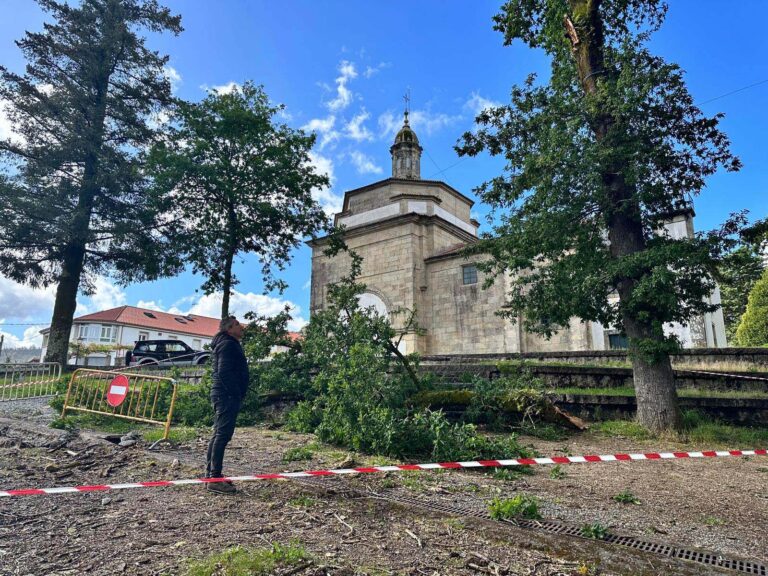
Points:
x=409 y=233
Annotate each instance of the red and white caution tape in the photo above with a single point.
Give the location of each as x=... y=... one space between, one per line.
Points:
x=395 y=468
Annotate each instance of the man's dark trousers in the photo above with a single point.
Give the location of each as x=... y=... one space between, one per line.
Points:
x=226 y=409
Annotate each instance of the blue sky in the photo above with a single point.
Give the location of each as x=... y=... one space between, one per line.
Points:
x=341 y=68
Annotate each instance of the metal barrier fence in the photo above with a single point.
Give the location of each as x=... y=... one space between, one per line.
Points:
x=137 y=397
x=32 y=380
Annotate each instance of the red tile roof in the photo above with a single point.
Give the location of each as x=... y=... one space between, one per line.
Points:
x=154 y=320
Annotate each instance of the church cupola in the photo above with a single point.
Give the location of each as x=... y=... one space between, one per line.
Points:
x=406 y=153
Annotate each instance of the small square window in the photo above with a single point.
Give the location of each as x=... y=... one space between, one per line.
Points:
x=470 y=274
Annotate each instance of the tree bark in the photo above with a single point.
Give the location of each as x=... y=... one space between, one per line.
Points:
x=657 y=405
x=228 y=259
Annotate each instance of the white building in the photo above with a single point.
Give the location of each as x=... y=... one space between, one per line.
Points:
x=120 y=328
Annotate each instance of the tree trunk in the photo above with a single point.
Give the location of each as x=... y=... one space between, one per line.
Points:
x=227 y=284
x=657 y=405
x=64 y=306
x=229 y=258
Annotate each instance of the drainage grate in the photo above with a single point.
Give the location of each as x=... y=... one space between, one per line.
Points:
x=560 y=528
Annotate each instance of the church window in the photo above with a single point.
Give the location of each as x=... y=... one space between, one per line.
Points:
x=617 y=341
x=469 y=274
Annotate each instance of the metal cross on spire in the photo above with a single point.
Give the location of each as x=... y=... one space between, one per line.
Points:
x=407 y=98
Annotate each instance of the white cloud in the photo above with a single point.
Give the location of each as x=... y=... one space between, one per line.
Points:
x=107 y=295
x=22 y=303
x=344 y=95
x=149 y=305
x=330 y=202
x=6 y=129
x=324 y=128
x=307 y=285
x=373 y=70
x=31 y=338
x=239 y=304
x=424 y=121
x=364 y=164
x=431 y=122
x=355 y=129
x=173 y=77
x=389 y=124
x=477 y=103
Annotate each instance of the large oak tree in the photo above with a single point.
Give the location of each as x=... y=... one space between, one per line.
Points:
x=73 y=199
x=598 y=156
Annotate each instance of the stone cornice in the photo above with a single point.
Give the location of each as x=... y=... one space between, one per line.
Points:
x=427 y=183
x=397 y=221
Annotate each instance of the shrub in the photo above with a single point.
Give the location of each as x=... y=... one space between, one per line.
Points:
x=595 y=531
x=521 y=506
x=753 y=327
x=626 y=497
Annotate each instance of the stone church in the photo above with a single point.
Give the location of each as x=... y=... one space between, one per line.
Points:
x=410 y=233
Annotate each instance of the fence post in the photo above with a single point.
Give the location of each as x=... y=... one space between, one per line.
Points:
x=69 y=391
x=170 y=412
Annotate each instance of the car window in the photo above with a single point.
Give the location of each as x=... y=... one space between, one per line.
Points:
x=146 y=347
x=175 y=347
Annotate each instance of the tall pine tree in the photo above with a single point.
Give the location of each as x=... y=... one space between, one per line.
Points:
x=597 y=158
x=73 y=199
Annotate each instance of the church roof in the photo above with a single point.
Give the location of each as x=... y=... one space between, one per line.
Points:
x=406 y=134
x=388 y=181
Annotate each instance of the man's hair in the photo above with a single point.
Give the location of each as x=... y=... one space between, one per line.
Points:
x=227 y=323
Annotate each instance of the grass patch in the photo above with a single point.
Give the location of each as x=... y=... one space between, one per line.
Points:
x=513 y=473
x=521 y=506
x=626 y=497
x=698 y=429
x=545 y=432
x=177 y=434
x=682 y=392
x=298 y=453
x=242 y=561
x=623 y=429
x=302 y=501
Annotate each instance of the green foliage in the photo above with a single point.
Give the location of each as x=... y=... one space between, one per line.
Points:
x=595 y=531
x=521 y=506
x=513 y=473
x=73 y=200
x=753 y=327
x=557 y=472
x=247 y=185
x=297 y=453
x=598 y=157
x=242 y=561
x=737 y=274
x=626 y=497
x=302 y=501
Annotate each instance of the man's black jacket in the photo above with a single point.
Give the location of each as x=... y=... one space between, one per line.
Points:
x=230 y=369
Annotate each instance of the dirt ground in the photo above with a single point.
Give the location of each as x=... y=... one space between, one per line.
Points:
x=719 y=505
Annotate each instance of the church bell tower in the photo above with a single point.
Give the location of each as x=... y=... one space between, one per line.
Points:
x=406 y=153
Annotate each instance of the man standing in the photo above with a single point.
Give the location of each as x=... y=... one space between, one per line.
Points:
x=229 y=384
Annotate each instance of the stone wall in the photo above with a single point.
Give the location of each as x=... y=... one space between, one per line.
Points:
x=721 y=359
x=461 y=318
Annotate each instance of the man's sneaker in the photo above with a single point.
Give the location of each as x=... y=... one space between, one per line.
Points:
x=223 y=487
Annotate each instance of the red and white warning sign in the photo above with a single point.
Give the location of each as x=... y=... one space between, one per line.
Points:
x=117 y=391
